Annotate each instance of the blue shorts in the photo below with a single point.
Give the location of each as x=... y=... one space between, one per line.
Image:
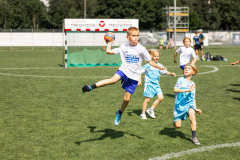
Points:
x=151 y=90
x=180 y=111
x=182 y=66
x=129 y=85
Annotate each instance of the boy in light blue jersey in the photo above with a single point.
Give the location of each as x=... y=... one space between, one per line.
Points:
x=151 y=86
x=185 y=103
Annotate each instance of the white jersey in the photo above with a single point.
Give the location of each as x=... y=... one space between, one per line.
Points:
x=185 y=54
x=132 y=58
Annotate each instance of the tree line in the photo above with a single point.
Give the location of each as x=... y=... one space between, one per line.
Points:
x=33 y=14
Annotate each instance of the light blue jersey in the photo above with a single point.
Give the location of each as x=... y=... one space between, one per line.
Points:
x=152 y=78
x=152 y=74
x=184 y=100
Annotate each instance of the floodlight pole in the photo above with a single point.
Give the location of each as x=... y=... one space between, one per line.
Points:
x=175 y=23
x=85 y=9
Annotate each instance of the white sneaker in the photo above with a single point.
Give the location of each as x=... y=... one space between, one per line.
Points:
x=143 y=116
x=195 y=141
x=150 y=111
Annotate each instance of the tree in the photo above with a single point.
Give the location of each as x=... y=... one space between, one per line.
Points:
x=61 y=9
x=37 y=12
x=225 y=15
x=196 y=21
x=5 y=13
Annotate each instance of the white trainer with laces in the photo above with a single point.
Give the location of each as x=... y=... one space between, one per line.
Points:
x=150 y=111
x=195 y=141
x=143 y=116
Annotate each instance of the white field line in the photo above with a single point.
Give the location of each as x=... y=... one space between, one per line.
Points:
x=197 y=150
x=215 y=69
x=38 y=76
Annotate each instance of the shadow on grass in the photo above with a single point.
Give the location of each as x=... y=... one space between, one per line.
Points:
x=233 y=90
x=108 y=133
x=136 y=111
x=236 y=98
x=170 y=95
x=173 y=133
x=235 y=84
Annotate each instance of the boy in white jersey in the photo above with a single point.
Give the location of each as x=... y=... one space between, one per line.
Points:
x=151 y=86
x=186 y=52
x=132 y=55
x=185 y=103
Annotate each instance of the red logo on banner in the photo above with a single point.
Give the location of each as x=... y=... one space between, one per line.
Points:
x=101 y=23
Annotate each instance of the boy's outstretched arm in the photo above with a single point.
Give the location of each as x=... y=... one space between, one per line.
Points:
x=152 y=63
x=173 y=74
x=139 y=81
x=198 y=111
x=178 y=90
x=109 y=46
x=175 y=57
x=235 y=62
x=194 y=60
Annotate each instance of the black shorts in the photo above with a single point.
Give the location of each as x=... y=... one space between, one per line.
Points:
x=197 y=47
x=201 y=45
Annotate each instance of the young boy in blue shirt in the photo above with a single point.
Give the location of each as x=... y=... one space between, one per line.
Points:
x=185 y=103
x=197 y=45
x=201 y=40
x=151 y=86
x=132 y=56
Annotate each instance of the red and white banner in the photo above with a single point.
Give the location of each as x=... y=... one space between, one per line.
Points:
x=99 y=24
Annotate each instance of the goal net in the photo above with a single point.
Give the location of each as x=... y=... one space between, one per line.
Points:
x=85 y=45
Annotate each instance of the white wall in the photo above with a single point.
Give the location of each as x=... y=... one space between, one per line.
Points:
x=31 y=39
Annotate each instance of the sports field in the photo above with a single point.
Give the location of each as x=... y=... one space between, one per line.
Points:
x=45 y=115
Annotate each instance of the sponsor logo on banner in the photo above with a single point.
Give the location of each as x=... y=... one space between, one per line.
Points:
x=101 y=23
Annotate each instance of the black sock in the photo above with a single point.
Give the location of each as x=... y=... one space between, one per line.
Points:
x=194 y=134
x=93 y=86
x=120 y=112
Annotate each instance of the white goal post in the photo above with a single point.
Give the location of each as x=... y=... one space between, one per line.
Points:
x=82 y=34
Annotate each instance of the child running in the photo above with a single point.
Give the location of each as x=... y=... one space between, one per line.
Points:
x=186 y=52
x=132 y=56
x=151 y=86
x=185 y=102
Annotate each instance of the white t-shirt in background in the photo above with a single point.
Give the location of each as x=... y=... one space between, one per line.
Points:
x=185 y=54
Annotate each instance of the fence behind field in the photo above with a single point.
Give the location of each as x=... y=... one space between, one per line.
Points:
x=28 y=37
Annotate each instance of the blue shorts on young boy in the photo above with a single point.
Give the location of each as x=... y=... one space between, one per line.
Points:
x=182 y=66
x=180 y=111
x=128 y=84
x=151 y=90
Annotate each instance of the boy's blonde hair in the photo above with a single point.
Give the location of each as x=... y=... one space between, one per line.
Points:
x=194 y=67
x=186 y=38
x=153 y=51
x=132 y=29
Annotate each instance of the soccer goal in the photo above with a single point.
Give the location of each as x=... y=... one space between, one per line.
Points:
x=84 y=41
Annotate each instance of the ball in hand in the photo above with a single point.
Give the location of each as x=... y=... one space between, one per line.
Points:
x=109 y=37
